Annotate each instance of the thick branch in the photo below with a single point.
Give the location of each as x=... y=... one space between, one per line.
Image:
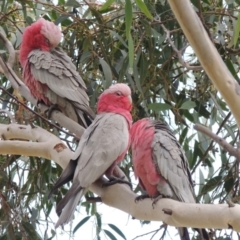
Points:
x=181 y=214
x=225 y=145
x=219 y=216
x=44 y=144
x=207 y=54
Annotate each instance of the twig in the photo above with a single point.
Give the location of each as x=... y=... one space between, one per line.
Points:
x=225 y=145
x=146 y=234
x=211 y=144
x=179 y=53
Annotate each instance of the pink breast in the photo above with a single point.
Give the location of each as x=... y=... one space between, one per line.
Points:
x=36 y=88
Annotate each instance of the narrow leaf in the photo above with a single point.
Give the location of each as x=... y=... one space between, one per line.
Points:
x=117 y=230
x=84 y=220
x=130 y=53
x=128 y=17
x=236 y=31
x=188 y=105
x=72 y=3
x=159 y=106
x=144 y=8
x=107 y=72
x=31 y=231
x=115 y=34
x=109 y=234
x=211 y=184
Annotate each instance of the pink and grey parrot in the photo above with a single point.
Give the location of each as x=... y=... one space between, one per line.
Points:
x=103 y=145
x=50 y=74
x=161 y=165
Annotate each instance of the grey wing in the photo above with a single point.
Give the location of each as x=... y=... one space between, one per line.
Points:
x=100 y=146
x=172 y=164
x=56 y=70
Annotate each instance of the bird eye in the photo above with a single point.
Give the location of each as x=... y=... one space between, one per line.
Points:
x=118 y=93
x=47 y=41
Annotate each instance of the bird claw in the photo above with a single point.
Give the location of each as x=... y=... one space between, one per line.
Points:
x=156 y=199
x=114 y=180
x=141 y=197
x=50 y=110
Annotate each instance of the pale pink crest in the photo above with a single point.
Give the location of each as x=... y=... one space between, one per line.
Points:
x=121 y=87
x=50 y=31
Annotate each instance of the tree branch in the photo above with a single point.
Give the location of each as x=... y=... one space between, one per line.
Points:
x=183 y=214
x=46 y=145
x=207 y=54
x=43 y=143
x=225 y=145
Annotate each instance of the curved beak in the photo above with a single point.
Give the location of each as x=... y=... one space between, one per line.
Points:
x=130 y=98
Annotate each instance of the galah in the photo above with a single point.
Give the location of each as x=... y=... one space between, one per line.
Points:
x=160 y=164
x=103 y=145
x=50 y=74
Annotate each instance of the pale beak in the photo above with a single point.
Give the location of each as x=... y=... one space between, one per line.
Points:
x=130 y=98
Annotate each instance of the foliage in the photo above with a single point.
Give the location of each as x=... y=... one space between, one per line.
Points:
x=124 y=41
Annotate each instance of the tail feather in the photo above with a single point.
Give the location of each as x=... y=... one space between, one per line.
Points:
x=69 y=208
x=66 y=176
x=85 y=116
x=71 y=193
x=183 y=232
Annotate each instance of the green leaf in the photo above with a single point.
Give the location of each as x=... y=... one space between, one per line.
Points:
x=61 y=19
x=99 y=221
x=84 y=220
x=115 y=34
x=159 y=106
x=128 y=17
x=144 y=8
x=110 y=235
x=31 y=231
x=106 y=4
x=229 y=183
x=130 y=52
x=201 y=181
x=188 y=105
x=236 y=31
x=211 y=184
x=117 y=230
x=72 y=3
x=107 y=72
x=183 y=135
x=231 y=68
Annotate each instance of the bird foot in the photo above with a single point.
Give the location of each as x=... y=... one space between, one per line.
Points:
x=93 y=199
x=114 y=180
x=50 y=110
x=156 y=199
x=141 y=197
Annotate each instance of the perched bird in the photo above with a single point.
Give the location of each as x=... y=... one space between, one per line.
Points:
x=161 y=165
x=50 y=74
x=103 y=144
